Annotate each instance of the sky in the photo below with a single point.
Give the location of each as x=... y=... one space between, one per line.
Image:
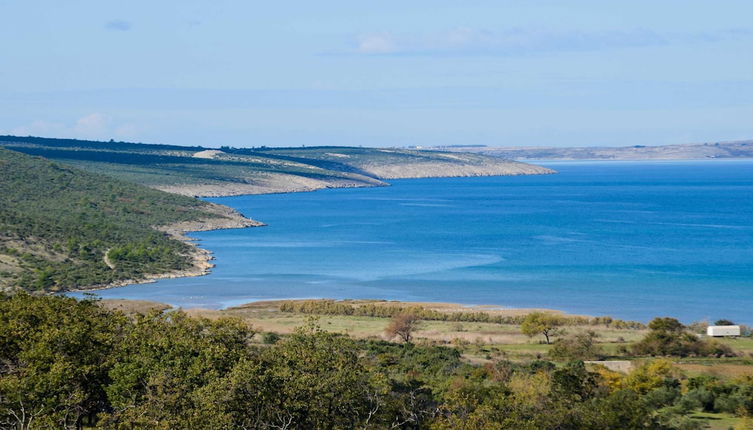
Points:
x=387 y=73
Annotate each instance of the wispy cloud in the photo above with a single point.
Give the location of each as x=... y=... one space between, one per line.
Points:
x=91 y=126
x=118 y=25
x=377 y=43
x=519 y=41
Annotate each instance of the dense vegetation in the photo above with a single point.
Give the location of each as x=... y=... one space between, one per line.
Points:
x=388 y=310
x=668 y=337
x=73 y=364
x=57 y=223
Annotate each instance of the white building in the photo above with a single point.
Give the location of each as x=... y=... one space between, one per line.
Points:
x=723 y=330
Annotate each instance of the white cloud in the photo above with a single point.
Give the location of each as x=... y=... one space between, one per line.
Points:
x=376 y=43
x=97 y=126
x=92 y=125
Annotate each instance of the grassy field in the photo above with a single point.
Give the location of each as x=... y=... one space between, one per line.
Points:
x=479 y=341
x=723 y=421
x=484 y=342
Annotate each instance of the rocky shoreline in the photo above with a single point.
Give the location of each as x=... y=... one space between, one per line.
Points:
x=226 y=218
x=279 y=183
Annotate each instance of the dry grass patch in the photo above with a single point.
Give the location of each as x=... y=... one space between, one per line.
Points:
x=133 y=306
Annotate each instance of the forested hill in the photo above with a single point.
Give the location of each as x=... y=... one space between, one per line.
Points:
x=63 y=228
x=199 y=171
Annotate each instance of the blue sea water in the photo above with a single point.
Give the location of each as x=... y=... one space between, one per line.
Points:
x=631 y=240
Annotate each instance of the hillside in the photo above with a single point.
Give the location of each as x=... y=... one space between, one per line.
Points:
x=63 y=228
x=698 y=151
x=198 y=171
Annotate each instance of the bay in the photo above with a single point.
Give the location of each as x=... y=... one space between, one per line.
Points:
x=633 y=240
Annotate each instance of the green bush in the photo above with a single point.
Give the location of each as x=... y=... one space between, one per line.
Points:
x=668 y=337
x=580 y=346
x=270 y=338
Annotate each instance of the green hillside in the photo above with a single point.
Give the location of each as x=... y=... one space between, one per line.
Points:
x=57 y=223
x=198 y=171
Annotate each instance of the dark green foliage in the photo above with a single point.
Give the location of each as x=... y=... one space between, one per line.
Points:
x=575 y=381
x=668 y=337
x=580 y=346
x=665 y=324
x=69 y=364
x=62 y=221
x=54 y=355
x=162 y=360
x=312 y=380
x=432 y=364
x=713 y=395
x=270 y=338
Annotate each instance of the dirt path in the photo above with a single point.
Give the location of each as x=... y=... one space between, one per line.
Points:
x=106 y=259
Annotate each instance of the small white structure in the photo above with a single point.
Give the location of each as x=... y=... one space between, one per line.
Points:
x=723 y=330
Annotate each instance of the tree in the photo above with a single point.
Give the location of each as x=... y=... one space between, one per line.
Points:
x=541 y=323
x=724 y=322
x=402 y=325
x=649 y=376
x=668 y=337
x=163 y=360
x=53 y=360
x=666 y=324
x=311 y=379
x=580 y=346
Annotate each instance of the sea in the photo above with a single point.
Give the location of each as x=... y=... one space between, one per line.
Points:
x=632 y=240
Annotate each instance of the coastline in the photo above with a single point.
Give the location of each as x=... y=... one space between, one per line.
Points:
x=226 y=218
x=284 y=184
x=291 y=184
x=229 y=218
x=242 y=285
x=137 y=305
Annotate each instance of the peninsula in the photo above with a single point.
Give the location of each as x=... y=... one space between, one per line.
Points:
x=102 y=214
x=225 y=171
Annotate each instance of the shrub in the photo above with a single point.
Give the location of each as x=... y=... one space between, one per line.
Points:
x=579 y=346
x=270 y=338
x=668 y=337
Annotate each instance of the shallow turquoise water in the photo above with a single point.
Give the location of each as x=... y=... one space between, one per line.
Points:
x=631 y=240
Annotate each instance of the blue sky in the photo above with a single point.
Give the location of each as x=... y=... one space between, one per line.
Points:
x=388 y=73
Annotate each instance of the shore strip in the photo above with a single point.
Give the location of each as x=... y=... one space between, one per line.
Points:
x=226 y=218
